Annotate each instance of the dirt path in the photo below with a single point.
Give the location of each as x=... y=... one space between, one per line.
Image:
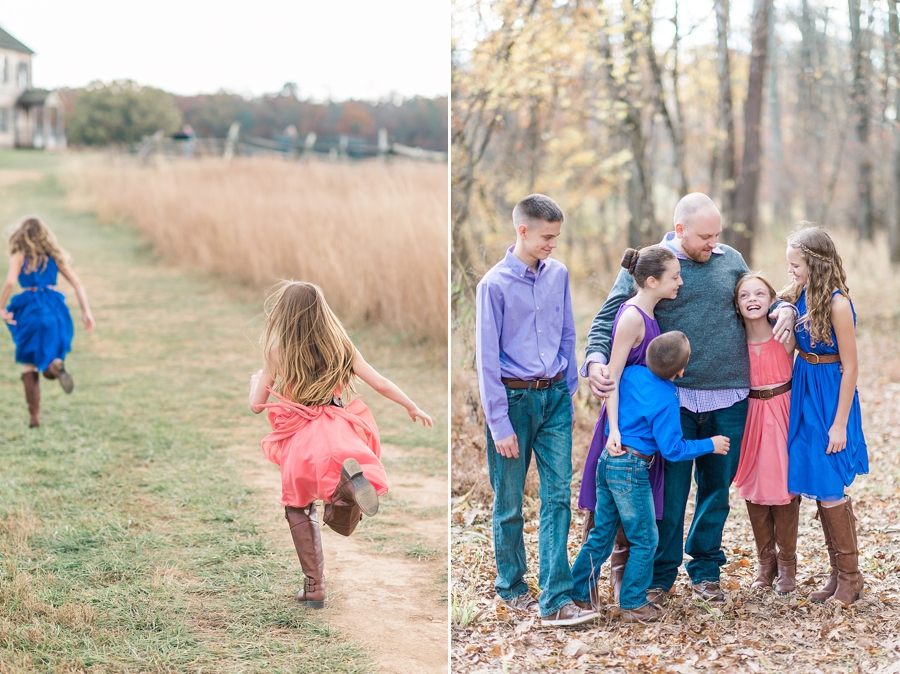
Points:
x=389 y=604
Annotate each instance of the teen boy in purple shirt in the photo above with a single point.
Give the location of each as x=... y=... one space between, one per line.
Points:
x=527 y=374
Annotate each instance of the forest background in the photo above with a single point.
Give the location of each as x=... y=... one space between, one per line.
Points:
x=780 y=110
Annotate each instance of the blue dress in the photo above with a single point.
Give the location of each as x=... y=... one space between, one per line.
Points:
x=814 y=400
x=43 y=329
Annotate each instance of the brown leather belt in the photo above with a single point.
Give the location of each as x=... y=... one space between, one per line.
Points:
x=769 y=393
x=531 y=384
x=34 y=289
x=819 y=358
x=632 y=450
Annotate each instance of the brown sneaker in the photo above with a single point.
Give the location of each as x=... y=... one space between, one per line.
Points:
x=656 y=595
x=709 y=591
x=524 y=602
x=568 y=615
x=648 y=613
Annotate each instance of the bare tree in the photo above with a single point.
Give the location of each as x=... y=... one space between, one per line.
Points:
x=864 y=215
x=723 y=155
x=894 y=45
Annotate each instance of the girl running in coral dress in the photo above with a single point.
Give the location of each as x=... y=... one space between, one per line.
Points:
x=327 y=450
x=657 y=275
x=38 y=317
x=762 y=474
x=826 y=446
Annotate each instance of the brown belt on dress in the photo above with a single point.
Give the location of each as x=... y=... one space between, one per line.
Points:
x=34 y=289
x=531 y=384
x=769 y=393
x=819 y=358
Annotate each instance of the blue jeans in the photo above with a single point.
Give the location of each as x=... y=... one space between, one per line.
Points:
x=542 y=421
x=714 y=474
x=623 y=496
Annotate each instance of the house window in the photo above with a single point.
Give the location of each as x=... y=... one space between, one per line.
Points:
x=22 y=76
x=4 y=120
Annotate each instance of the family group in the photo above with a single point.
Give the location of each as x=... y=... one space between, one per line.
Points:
x=706 y=372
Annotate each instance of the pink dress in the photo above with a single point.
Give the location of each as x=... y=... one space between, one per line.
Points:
x=311 y=442
x=762 y=472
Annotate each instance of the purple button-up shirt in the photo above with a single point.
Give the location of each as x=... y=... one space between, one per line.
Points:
x=524 y=329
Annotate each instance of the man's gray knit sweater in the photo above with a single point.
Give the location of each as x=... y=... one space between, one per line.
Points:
x=703 y=310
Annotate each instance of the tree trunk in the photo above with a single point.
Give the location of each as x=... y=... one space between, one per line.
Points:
x=725 y=152
x=777 y=178
x=745 y=206
x=894 y=227
x=864 y=215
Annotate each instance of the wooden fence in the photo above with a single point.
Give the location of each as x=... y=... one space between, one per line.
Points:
x=337 y=148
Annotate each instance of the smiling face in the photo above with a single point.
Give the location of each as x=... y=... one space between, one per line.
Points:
x=701 y=235
x=667 y=286
x=797 y=268
x=537 y=240
x=753 y=299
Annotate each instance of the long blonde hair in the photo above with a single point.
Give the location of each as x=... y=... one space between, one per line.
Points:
x=826 y=274
x=33 y=238
x=305 y=344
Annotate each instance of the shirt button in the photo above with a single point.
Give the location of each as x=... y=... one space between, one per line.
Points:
x=542 y=355
x=537 y=307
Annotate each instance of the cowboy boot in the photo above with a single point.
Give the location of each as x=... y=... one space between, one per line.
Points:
x=32 y=383
x=787 y=518
x=586 y=526
x=826 y=592
x=763 y=526
x=57 y=370
x=617 y=560
x=354 y=497
x=842 y=526
x=305 y=533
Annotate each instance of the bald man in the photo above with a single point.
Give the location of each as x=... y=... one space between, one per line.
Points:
x=712 y=394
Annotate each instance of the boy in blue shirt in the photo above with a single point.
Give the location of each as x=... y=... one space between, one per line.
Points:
x=649 y=422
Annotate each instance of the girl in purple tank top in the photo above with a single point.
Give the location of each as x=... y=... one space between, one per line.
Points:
x=657 y=276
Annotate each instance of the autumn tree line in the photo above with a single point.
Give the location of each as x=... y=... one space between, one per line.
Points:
x=123 y=112
x=617 y=108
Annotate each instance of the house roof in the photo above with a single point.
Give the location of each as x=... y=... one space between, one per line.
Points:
x=33 y=97
x=7 y=41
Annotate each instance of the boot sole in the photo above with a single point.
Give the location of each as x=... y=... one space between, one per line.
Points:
x=313 y=604
x=366 y=496
x=65 y=380
x=570 y=621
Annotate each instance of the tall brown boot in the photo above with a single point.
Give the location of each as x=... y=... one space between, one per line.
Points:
x=308 y=543
x=787 y=519
x=353 y=497
x=617 y=560
x=842 y=526
x=825 y=593
x=586 y=526
x=32 y=383
x=763 y=526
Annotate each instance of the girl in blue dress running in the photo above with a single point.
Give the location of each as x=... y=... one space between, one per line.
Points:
x=38 y=317
x=826 y=447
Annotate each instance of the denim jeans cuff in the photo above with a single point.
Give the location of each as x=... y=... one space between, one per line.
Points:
x=509 y=595
x=562 y=602
x=632 y=608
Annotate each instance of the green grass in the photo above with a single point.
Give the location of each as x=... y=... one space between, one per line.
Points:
x=130 y=539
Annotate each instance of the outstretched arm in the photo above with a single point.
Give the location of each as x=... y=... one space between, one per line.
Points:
x=87 y=318
x=388 y=389
x=15 y=264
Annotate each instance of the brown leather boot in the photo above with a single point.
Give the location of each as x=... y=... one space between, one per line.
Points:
x=842 y=526
x=617 y=560
x=353 y=497
x=763 y=526
x=787 y=518
x=57 y=370
x=825 y=593
x=32 y=383
x=308 y=543
x=587 y=526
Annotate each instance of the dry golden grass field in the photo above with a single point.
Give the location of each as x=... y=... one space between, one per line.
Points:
x=373 y=236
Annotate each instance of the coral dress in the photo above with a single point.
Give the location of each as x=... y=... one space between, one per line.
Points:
x=311 y=442
x=762 y=473
x=587 y=495
x=43 y=329
x=812 y=472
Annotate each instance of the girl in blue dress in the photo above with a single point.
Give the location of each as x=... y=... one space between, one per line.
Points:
x=826 y=447
x=38 y=317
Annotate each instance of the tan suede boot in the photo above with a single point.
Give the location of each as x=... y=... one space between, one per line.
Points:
x=787 y=519
x=617 y=560
x=763 y=526
x=826 y=592
x=32 y=383
x=842 y=526
x=304 y=524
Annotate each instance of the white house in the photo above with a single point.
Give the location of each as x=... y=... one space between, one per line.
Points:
x=28 y=117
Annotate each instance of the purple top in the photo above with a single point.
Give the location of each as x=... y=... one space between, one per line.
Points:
x=587 y=495
x=524 y=329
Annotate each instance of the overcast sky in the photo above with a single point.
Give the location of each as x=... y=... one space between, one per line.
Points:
x=331 y=48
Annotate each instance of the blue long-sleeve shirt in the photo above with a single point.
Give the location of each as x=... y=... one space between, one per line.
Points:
x=524 y=329
x=650 y=419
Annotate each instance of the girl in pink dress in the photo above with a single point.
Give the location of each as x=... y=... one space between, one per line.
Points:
x=763 y=469
x=327 y=450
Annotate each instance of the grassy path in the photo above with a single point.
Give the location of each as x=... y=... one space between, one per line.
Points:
x=139 y=526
